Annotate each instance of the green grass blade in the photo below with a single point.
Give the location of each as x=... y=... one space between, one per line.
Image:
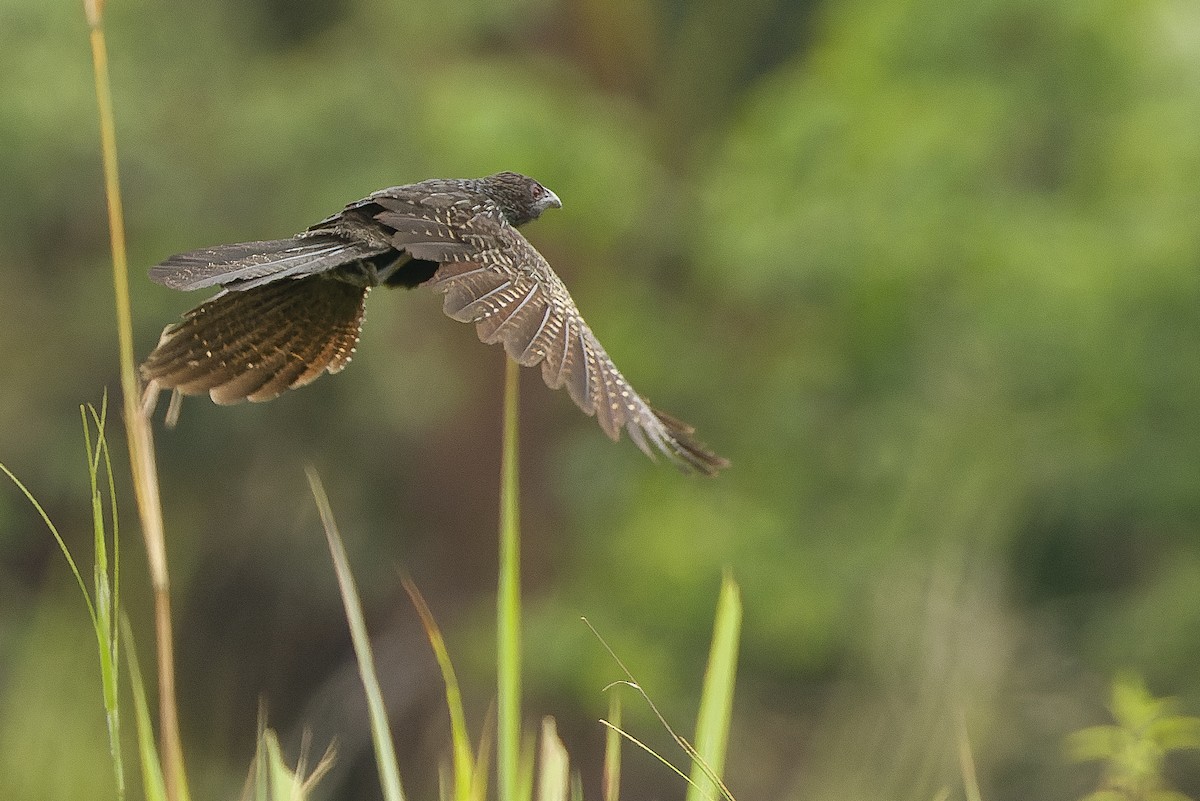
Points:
x=99 y=420
x=381 y=734
x=482 y=754
x=106 y=584
x=716 y=700
x=525 y=767
x=103 y=602
x=966 y=762
x=62 y=545
x=464 y=760
x=270 y=778
x=153 y=785
x=508 y=606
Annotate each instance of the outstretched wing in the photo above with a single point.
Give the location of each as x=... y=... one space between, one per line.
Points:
x=261 y=342
x=493 y=277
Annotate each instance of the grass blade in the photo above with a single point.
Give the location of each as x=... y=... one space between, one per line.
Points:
x=270 y=778
x=381 y=734
x=106 y=583
x=966 y=762
x=716 y=699
x=525 y=767
x=62 y=545
x=102 y=603
x=554 y=770
x=508 y=605
x=464 y=760
x=154 y=787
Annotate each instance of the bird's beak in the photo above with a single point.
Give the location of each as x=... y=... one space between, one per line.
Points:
x=551 y=201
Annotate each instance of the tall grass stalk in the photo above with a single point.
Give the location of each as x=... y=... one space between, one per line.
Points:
x=137 y=426
x=508 y=606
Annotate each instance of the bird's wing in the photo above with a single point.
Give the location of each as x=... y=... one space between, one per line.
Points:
x=431 y=227
x=258 y=343
x=493 y=277
x=247 y=265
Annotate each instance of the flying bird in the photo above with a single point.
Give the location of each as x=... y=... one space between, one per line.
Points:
x=291 y=310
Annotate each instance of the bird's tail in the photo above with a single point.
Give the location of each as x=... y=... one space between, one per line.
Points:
x=247 y=265
x=256 y=344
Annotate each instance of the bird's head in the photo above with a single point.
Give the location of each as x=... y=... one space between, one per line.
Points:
x=519 y=197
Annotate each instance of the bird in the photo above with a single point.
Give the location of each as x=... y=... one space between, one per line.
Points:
x=290 y=310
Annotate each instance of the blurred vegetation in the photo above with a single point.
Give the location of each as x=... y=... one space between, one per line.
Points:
x=1134 y=749
x=926 y=272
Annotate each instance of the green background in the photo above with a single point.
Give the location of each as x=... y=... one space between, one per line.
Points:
x=925 y=271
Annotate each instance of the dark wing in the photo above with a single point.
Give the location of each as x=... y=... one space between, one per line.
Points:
x=258 y=343
x=250 y=264
x=493 y=277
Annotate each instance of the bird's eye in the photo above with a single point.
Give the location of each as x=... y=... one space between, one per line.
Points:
x=537 y=190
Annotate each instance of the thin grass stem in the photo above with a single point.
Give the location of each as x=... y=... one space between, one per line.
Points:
x=612 y=750
x=508 y=606
x=140 y=440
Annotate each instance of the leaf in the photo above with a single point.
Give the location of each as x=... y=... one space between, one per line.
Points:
x=1094 y=743
x=1176 y=733
x=716 y=699
x=1133 y=706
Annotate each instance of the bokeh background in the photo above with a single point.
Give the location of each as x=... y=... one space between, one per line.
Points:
x=925 y=271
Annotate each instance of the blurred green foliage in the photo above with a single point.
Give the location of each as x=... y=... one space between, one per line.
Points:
x=1134 y=749
x=926 y=272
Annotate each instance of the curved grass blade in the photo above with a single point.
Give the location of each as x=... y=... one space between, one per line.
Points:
x=464 y=761
x=381 y=734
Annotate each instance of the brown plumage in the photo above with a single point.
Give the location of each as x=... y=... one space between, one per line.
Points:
x=292 y=309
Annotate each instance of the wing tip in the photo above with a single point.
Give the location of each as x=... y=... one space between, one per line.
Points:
x=681 y=446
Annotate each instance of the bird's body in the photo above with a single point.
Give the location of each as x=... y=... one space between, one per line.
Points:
x=292 y=309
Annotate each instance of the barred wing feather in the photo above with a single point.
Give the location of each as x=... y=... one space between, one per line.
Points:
x=530 y=311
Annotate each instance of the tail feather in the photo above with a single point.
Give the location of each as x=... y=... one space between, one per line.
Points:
x=255 y=345
x=247 y=265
